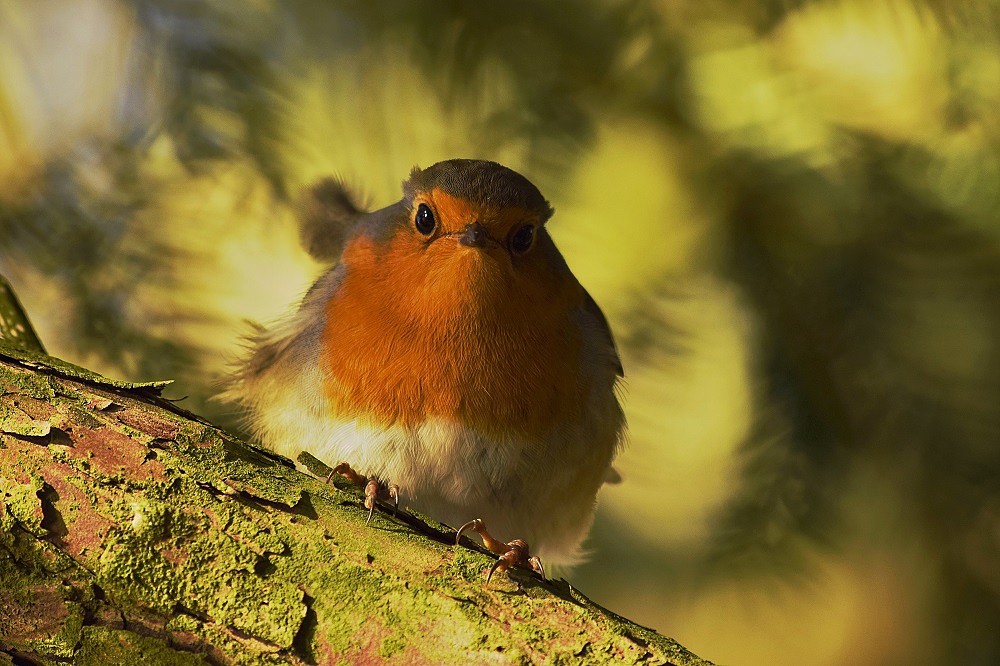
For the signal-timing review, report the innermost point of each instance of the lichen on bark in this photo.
(130, 527)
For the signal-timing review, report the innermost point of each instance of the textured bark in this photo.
(133, 532)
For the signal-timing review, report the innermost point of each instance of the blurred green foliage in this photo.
(847, 180)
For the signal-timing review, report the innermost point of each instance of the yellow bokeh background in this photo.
(627, 216)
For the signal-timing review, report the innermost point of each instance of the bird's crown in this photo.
(480, 182)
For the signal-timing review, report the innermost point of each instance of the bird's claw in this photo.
(371, 494)
(394, 496)
(374, 489)
(512, 554)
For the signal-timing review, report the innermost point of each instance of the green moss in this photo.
(184, 623)
(315, 466)
(15, 422)
(63, 643)
(532, 634)
(101, 646)
(42, 596)
(23, 504)
(171, 556)
(41, 387)
(391, 645)
(50, 364)
(260, 534)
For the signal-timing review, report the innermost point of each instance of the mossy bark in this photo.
(133, 532)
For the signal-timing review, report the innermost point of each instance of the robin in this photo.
(451, 352)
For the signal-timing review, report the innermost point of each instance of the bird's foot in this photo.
(512, 554)
(374, 489)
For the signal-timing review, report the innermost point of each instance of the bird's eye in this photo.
(424, 221)
(522, 239)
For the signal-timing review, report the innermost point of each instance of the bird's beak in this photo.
(475, 235)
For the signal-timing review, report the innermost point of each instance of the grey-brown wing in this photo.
(591, 308)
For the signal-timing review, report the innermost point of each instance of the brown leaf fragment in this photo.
(148, 423)
(24, 428)
(99, 403)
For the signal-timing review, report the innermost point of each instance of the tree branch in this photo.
(130, 528)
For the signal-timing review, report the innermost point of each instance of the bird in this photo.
(449, 359)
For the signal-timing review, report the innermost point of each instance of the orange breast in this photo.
(451, 332)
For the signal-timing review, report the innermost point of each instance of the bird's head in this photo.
(475, 204)
(466, 233)
(473, 222)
